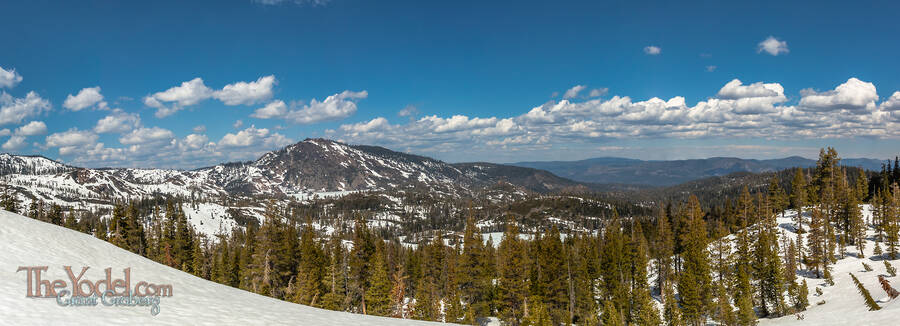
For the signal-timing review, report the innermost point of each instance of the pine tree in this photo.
(815, 240)
(768, 267)
(537, 314)
(642, 309)
(611, 316)
(613, 266)
(723, 311)
(553, 276)
(777, 195)
(798, 196)
(512, 284)
(474, 278)
(360, 258)
(378, 300)
(311, 271)
(802, 300)
(671, 311)
(865, 294)
(663, 250)
(694, 283)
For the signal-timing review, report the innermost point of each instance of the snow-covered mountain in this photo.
(310, 166)
(194, 301)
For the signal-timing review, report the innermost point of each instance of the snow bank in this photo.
(195, 301)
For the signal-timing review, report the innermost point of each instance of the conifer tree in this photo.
(723, 312)
(611, 316)
(512, 283)
(694, 283)
(553, 276)
(777, 196)
(671, 311)
(311, 271)
(798, 196)
(360, 258)
(663, 250)
(474, 277)
(613, 263)
(378, 300)
(865, 294)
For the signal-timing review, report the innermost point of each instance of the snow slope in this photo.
(843, 304)
(28, 242)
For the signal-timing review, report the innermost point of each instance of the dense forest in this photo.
(684, 261)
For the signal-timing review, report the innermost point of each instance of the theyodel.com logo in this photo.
(78, 291)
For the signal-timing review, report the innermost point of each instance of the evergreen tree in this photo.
(694, 283)
(378, 300)
(611, 316)
(798, 196)
(663, 250)
(311, 271)
(474, 278)
(512, 283)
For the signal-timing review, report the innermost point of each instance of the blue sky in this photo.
(172, 84)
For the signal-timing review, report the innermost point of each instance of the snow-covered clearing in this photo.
(195, 301)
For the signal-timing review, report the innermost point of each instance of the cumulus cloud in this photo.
(14, 143)
(254, 137)
(773, 46)
(851, 95)
(597, 92)
(573, 92)
(188, 93)
(273, 110)
(409, 111)
(33, 128)
(85, 98)
(69, 141)
(751, 110)
(334, 107)
(118, 122)
(15, 110)
(892, 103)
(199, 129)
(5, 132)
(652, 50)
(9, 78)
(247, 93)
(142, 136)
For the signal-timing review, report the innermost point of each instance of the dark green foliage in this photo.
(865, 294)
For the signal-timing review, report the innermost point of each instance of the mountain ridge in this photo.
(617, 170)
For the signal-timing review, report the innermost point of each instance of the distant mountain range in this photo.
(307, 167)
(615, 170)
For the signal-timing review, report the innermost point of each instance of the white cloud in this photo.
(851, 95)
(773, 46)
(9, 78)
(85, 98)
(238, 124)
(573, 92)
(275, 109)
(199, 129)
(14, 143)
(652, 50)
(711, 68)
(70, 141)
(15, 110)
(892, 103)
(247, 93)
(118, 122)
(188, 93)
(196, 140)
(334, 107)
(378, 123)
(146, 136)
(735, 89)
(409, 111)
(5, 132)
(597, 92)
(33, 128)
(253, 137)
